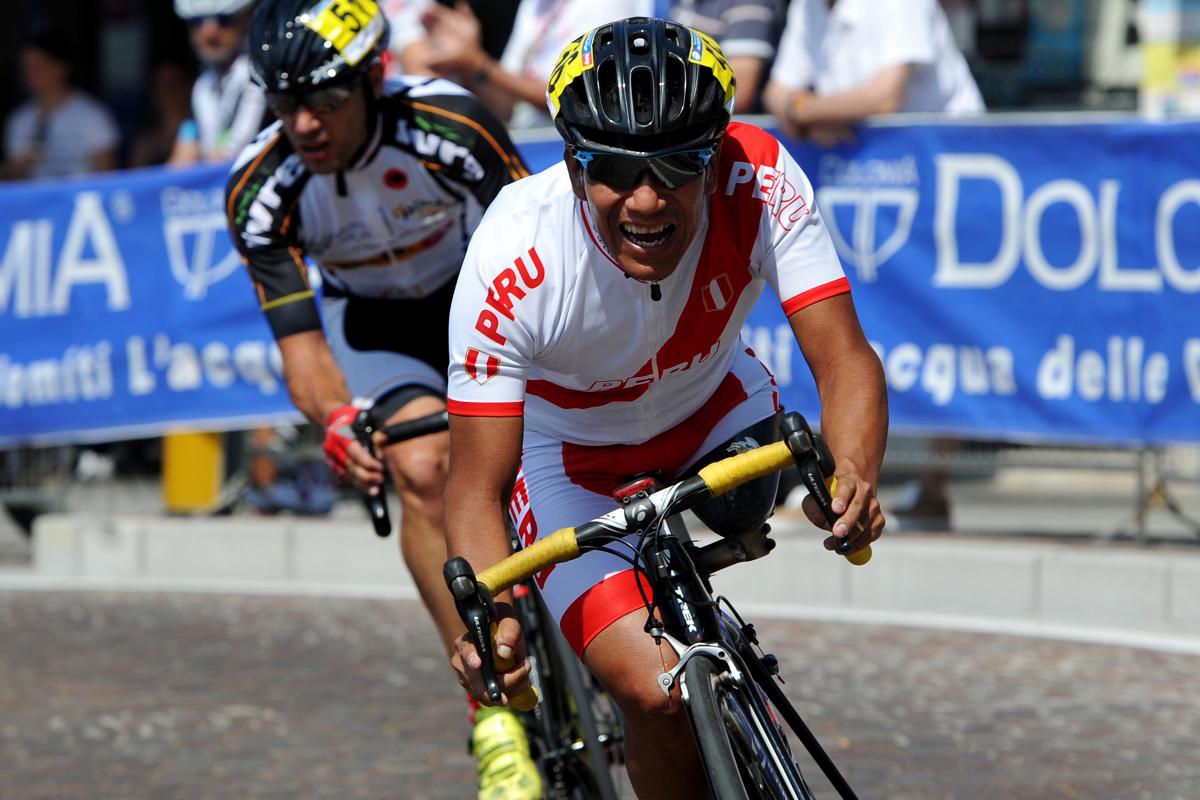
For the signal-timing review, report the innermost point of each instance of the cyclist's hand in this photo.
(510, 644)
(345, 456)
(860, 517)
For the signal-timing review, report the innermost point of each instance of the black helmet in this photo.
(297, 45)
(641, 86)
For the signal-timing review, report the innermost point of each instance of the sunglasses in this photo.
(222, 20)
(623, 173)
(318, 101)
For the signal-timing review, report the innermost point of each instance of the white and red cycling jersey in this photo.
(546, 324)
(612, 382)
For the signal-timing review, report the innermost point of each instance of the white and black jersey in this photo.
(394, 225)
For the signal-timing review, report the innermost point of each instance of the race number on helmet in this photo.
(297, 45)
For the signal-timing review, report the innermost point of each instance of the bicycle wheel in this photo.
(743, 752)
(576, 730)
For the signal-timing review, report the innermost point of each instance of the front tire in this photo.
(741, 762)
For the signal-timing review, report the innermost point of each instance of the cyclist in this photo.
(380, 185)
(594, 334)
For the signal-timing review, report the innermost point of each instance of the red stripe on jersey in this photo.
(723, 271)
(602, 468)
(770, 375)
(564, 397)
(815, 295)
(601, 606)
(466, 409)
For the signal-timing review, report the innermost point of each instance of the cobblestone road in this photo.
(198, 696)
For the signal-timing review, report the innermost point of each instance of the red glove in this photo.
(338, 436)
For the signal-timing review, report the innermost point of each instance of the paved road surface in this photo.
(202, 696)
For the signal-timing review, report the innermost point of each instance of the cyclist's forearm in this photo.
(314, 381)
(854, 417)
(475, 530)
(849, 381)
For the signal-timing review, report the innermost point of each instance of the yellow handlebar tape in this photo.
(858, 557)
(526, 700)
(556, 548)
(728, 473)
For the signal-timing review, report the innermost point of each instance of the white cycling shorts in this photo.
(562, 485)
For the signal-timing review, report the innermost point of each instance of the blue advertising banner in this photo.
(1027, 282)
(1022, 282)
(124, 309)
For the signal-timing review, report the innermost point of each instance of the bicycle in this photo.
(575, 731)
(729, 686)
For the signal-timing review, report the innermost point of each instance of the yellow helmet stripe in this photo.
(572, 62)
(707, 53)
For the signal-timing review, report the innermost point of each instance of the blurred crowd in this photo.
(818, 65)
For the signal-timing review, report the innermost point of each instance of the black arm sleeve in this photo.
(262, 206)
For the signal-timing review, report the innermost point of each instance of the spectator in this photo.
(843, 60)
(169, 109)
(60, 130)
(747, 31)
(514, 87)
(227, 108)
(408, 46)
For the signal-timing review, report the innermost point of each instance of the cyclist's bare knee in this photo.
(418, 466)
(627, 663)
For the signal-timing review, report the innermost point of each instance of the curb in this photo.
(1074, 591)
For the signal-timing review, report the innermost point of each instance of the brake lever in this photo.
(477, 610)
(364, 427)
(815, 462)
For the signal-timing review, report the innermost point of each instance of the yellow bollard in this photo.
(193, 467)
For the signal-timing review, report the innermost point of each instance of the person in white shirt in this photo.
(59, 131)
(227, 108)
(514, 87)
(843, 60)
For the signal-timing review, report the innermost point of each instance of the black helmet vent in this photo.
(606, 74)
(643, 96)
(675, 88)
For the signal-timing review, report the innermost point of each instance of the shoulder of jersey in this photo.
(268, 166)
(415, 86)
(745, 142)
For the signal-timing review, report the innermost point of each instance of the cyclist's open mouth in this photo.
(314, 152)
(648, 237)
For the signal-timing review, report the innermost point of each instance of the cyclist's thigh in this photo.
(585, 595)
(371, 373)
